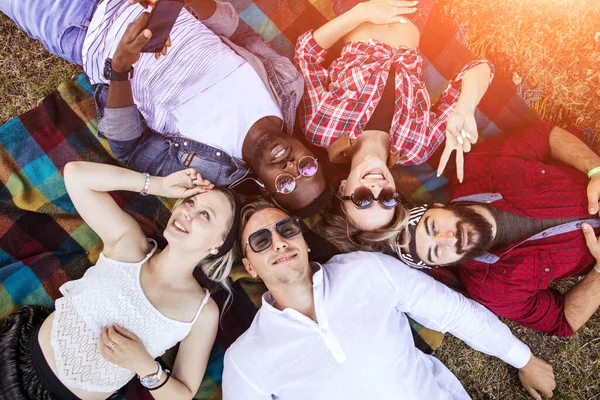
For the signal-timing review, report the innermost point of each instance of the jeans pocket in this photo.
(70, 42)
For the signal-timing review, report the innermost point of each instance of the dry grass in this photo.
(548, 45)
(27, 71)
(547, 41)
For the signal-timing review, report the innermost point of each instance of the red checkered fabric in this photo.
(521, 169)
(341, 100)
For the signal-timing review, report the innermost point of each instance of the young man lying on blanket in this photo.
(371, 109)
(216, 61)
(340, 331)
(525, 216)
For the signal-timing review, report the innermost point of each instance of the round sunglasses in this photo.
(363, 197)
(285, 183)
(262, 239)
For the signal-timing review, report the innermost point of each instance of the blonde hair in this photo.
(339, 228)
(218, 269)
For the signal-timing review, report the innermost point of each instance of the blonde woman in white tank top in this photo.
(137, 301)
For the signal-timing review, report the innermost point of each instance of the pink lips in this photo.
(285, 258)
(464, 239)
(177, 228)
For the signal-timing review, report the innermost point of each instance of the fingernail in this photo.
(146, 33)
(463, 133)
(414, 8)
(459, 140)
(592, 210)
(585, 227)
(402, 21)
(438, 174)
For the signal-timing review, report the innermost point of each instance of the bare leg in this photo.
(394, 35)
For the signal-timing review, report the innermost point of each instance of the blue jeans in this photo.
(60, 25)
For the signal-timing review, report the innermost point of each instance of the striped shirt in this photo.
(196, 61)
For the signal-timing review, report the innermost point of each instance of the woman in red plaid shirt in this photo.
(372, 122)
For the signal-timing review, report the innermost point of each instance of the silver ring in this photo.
(111, 345)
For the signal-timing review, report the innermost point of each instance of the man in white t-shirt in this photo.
(340, 330)
(220, 100)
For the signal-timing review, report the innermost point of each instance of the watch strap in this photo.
(157, 375)
(114, 75)
(168, 374)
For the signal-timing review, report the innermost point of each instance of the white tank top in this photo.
(108, 293)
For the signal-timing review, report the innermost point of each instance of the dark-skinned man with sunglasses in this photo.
(340, 331)
(217, 98)
(525, 216)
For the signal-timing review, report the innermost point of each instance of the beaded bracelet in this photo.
(144, 191)
(592, 172)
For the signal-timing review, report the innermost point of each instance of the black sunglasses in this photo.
(363, 197)
(262, 238)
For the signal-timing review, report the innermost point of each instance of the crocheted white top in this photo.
(108, 293)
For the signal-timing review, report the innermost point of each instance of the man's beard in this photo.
(480, 241)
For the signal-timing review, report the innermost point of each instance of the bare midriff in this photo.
(46, 346)
(395, 34)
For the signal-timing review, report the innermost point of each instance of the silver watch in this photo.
(151, 380)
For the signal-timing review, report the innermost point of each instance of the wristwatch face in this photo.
(149, 381)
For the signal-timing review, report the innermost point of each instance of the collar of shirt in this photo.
(494, 256)
(321, 326)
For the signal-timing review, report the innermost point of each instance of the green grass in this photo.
(28, 73)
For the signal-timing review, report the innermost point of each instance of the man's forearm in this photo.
(337, 28)
(474, 84)
(568, 149)
(119, 95)
(582, 301)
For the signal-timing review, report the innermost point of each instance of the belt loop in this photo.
(189, 158)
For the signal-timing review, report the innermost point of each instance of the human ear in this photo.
(249, 268)
(341, 188)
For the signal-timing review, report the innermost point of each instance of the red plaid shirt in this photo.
(531, 184)
(339, 101)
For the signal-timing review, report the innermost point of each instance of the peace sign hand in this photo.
(461, 133)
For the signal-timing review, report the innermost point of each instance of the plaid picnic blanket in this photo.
(43, 243)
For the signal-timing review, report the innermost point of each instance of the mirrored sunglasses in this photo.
(285, 183)
(363, 197)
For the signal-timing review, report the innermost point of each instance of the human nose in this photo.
(446, 238)
(278, 242)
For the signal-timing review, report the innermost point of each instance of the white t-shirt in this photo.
(196, 61)
(362, 346)
(222, 116)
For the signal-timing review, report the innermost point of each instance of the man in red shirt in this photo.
(515, 226)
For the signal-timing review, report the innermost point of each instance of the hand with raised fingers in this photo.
(383, 12)
(183, 184)
(451, 145)
(125, 349)
(130, 47)
(593, 194)
(462, 125)
(537, 377)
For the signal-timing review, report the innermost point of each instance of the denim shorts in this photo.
(60, 25)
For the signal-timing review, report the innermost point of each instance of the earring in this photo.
(214, 251)
(308, 248)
